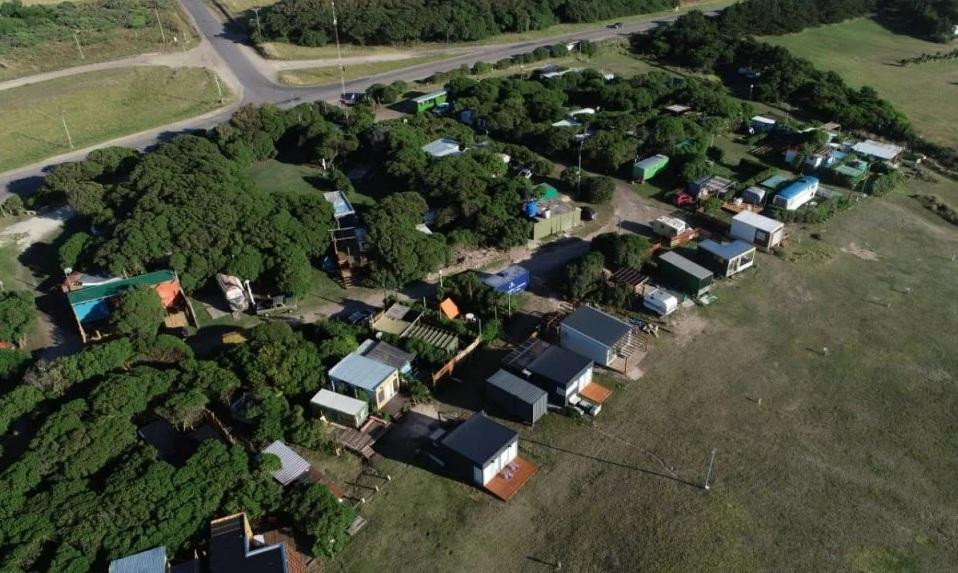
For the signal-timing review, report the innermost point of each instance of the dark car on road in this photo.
(616, 26)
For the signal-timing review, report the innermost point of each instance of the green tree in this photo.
(622, 250)
(584, 276)
(138, 314)
(17, 315)
(322, 518)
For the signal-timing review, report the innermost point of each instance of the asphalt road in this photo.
(258, 89)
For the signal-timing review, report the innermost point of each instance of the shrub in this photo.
(597, 189)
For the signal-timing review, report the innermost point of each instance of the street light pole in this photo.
(708, 472)
(63, 118)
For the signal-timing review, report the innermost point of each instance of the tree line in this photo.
(84, 489)
(933, 20)
(310, 22)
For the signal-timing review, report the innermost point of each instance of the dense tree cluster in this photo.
(85, 489)
(189, 205)
(310, 22)
(17, 315)
(630, 119)
(721, 44)
(930, 19)
(585, 277)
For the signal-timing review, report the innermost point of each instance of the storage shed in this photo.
(757, 229)
(292, 465)
(646, 169)
(594, 334)
(339, 408)
(685, 275)
(754, 196)
(726, 259)
(519, 398)
(477, 449)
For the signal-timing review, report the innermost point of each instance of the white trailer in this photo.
(234, 292)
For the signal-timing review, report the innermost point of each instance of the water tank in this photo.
(530, 209)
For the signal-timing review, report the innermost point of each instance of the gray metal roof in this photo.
(361, 372)
(726, 251)
(479, 439)
(293, 465)
(517, 387)
(442, 147)
(385, 353)
(149, 561)
(597, 325)
(760, 222)
(560, 365)
(692, 268)
(338, 402)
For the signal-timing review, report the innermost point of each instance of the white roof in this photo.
(293, 465)
(338, 402)
(429, 96)
(878, 149)
(442, 147)
(763, 119)
(673, 222)
(566, 123)
(759, 222)
(582, 111)
(663, 296)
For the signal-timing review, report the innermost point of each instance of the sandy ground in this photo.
(35, 229)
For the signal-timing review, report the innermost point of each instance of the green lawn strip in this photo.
(330, 74)
(97, 106)
(866, 54)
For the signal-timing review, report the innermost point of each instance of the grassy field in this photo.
(330, 74)
(837, 460)
(97, 106)
(98, 46)
(285, 51)
(864, 53)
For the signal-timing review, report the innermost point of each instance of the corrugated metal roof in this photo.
(517, 387)
(759, 222)
(597, 325)
(385, 353)
(726, 251)
(877, 149)
(442, 147)
(357, 370)
(340, 203)
(149, 561)
(680, 262)
(293, 464)
(115, 288)
(339, 402)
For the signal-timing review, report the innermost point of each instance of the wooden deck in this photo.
(595, 393)
(507, 483)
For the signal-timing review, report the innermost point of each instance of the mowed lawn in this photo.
(865, 53)
(837, 460)
(98, 106)
(98, 46)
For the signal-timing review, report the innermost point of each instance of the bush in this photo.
(597, 189)
(481, 68)
(504, 64)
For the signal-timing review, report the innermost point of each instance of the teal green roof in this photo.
(111, 289)
(548, 191)
(854, 169)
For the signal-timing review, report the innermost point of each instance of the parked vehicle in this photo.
(351, 98)
(588, 214)
(660, 302)
(682, 199)
(616, 26)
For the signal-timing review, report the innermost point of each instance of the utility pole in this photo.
(259, 25)
(708, 472)
(63, 118)
(79, 47)
(339, 51)
(219, 90)
(578, 180)
(156, 11)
